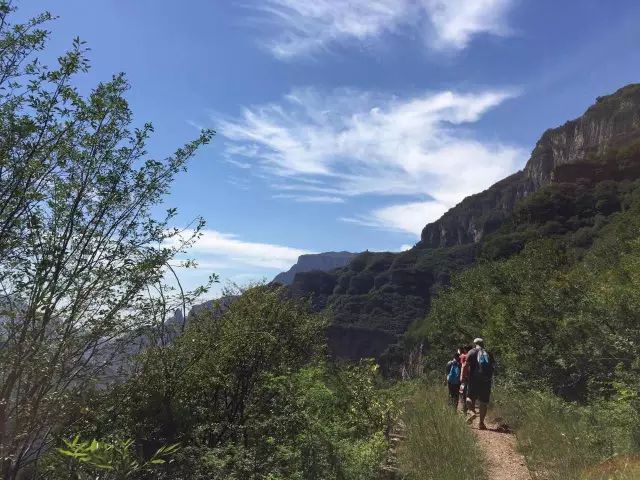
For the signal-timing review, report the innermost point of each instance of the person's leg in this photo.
(471, 397)
(465, 391)
(453, 394)
(483, 414)
(484, 397)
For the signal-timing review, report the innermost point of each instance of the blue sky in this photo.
(345, 125)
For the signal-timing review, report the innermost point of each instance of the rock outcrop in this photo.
(315, 261)
(612, 123)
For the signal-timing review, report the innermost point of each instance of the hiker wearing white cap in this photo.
(481, 367)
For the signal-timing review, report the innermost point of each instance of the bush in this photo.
(249, 395)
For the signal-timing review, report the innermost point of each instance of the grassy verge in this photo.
(564, 441)
(439, 446)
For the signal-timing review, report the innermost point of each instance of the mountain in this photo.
(315, 261)
(578, 175)
(562, 154)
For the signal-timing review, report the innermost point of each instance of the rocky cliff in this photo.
(612, 123)
(572, 182)
(316, 261)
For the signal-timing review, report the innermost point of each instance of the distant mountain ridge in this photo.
(315, 261)
(373, 300)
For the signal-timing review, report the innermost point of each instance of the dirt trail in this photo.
(499, 447)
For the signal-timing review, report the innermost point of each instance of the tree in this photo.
(247, 394)
(80, 248)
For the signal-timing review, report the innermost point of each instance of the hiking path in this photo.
(504, 462)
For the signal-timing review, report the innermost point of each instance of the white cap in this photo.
(478, 340)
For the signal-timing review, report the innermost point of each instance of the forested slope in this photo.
(578, 176)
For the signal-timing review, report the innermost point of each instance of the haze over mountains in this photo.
(375, 298)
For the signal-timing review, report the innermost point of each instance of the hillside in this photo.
(579, 173)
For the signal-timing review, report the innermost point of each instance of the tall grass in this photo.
(565, 441)
(438, 444)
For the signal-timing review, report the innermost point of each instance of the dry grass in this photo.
(563, 441)
(439, 445)
(623, 467)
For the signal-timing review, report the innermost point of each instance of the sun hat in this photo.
(478, 340)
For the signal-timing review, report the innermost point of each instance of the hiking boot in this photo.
(482, 426)
(471, 417)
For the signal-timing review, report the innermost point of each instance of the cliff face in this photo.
(373, 300)
(613, 122)
(477, 215)
(317, 261)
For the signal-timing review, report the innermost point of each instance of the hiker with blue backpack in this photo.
(481, 368)
(453, 371)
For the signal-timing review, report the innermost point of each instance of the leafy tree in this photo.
(247, 394)
(79, 246)
(554, 320)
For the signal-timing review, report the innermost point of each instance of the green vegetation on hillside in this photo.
(99, 380)
(562, 316)
(247, 395)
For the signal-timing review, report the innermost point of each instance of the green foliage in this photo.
(80, 244)
(439, 445)
(566, 441)
(553, 319)
(561, 319)
(108, 461)
(248, 395)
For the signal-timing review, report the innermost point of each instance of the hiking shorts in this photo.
(479, 389)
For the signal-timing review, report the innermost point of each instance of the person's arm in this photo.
(446, 373)
(464, 370)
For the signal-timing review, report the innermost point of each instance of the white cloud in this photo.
(348, 143)
(406, 217)
(215, 249)
(310, 198)
(309, 26)
(456, 22)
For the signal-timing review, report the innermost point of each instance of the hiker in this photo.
(481, 367)
(453, 372)
(464, 374)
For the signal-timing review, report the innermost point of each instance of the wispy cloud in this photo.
(405, 217)
(350, 143)
(216, 249)
(309, 26)
(310, 198)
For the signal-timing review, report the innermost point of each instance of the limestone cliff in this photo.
(612, 123)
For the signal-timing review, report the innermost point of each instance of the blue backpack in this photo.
(484, 363)
(454, 374)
